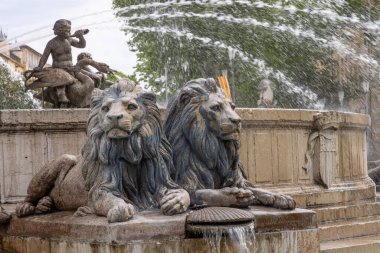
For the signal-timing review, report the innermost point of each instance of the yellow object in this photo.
(223, 83)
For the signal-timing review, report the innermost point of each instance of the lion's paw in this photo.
(44, 205)
(235, 196)
(275, 200)
(4, 217)
(25, 209)
(83, 211)
(120, 213)
(284, 202)
(175, 201)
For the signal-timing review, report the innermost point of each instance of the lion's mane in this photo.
(201, 159)
(136, 168)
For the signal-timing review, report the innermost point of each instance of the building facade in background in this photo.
(20, 58)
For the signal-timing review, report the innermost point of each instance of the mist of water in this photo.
(307, 94)
(288, 24)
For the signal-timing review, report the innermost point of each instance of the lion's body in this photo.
(202, 159)
(124, 165)
(203, 129)
(58, 185)
(69, 192)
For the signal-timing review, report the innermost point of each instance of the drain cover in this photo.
(219, 215)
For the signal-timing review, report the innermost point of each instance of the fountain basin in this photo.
(274, 144)
(149, 231)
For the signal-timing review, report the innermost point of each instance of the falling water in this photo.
(233, 238)
(316, 24)
(306, 93)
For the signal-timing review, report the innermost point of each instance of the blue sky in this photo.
(29, 20)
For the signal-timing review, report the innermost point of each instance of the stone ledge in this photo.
(342, 193)
(272, 118)
(148, 225)
(250, 117)
(56, 119)
(271, 219)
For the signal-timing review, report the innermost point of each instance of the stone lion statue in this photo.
(124, 166)
(203, 129)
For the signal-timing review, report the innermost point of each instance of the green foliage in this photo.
(118, 74)
(303, 46)
(12, 95)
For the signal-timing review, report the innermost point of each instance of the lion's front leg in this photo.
(266, 198)
(116, 209)
(227, 196)
(174, 201)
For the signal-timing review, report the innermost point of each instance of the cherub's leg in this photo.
(42, 183)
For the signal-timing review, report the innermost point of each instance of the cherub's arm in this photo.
(81, 43)
(45, 56)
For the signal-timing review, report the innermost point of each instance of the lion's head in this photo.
(212, 108)
(203, 129)
(125, 152)
(120, 114)
(219, 116)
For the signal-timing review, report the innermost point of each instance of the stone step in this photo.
(336, 213)
(366, 244)
(364, 226)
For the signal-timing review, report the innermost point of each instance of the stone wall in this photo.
(274, 144)
(30, 138)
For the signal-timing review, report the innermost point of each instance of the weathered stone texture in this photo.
(29, 139)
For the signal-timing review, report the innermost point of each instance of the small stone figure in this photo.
(203, 129)
(266, 89)
(67, 85)
(99, 78)
(124, 166)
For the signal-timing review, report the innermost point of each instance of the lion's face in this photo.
(220, 117)
(119, 117)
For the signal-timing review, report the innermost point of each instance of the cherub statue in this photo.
(67, 85)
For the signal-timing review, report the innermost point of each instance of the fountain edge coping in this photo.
(148, 225)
